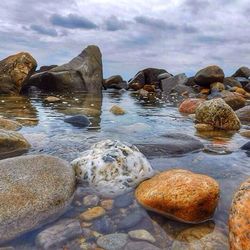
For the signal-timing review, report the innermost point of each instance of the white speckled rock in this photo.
(112, 167)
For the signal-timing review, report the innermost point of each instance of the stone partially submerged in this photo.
(33, 191)
(112, 167)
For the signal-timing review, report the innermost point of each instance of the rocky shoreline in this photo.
(108, 191)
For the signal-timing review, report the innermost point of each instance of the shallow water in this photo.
(144, 122)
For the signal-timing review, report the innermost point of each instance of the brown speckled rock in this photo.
(189, 105)
(239, 218)
(218, 114)
(180, 195)
(33, 190)
(117, 110)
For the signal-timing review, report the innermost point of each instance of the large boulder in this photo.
(33, 191)
(146, 76)
(12, 144)
(244, 114)
(112, 167)
(83, 73)
(217, 114)
(242, 72)
(189, 105)
(209, 75)
(180, 195)
(15, 70)
(239, 218)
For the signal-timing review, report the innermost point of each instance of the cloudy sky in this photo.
(177, 35)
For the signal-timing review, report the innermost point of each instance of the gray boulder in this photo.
(34, 190)
(82, 73)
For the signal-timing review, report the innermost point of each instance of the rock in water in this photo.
(239, 218)
(83, 72)
(113, 241)
(9, 124)
(33, 190)
(218, 114)
(15, 70)
(112, 167)
(180, 194)
(78, 121)
(244, 114)
(189, 105)
(209, 75)
(117, 110)
(12, 144)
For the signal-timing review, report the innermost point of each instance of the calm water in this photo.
(144, 122)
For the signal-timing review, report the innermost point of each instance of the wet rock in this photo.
(116, 110)
(200, 237)
(239, 218)
(15, 70)
(112, 167)
(180, 195)
(115, 82)
(91, 200)
(114, 241)
(131, 219)
(80, 121)
(83, 73)
(104, 225)
(12, 144)
(163, 76)
(246, 146)
(171, 144)
(107, 204)
(55, 236)
(33, 191)
(242, 72)
(92, 213)
(141, 234)
(52, 99)
(245, 133)
(9, 124)
(218, 114)
(244, 114)
(235, 101)
(243, 80)
(231, 82)
(209, 75)
(189, 105)
(140, 245)
(124, 200)
(203, 127)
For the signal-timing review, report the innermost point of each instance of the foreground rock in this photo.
(209, 75)
(83, 72)
(200, 237)
(12, 144)
(33, 190)
(171, 144)
(9, 124)
(239, 218)
(189, 105)
(180, 194)
(15, 70)
(55, 236)
(80, 121)
(244, 114)
(112, 167)
(218, 114)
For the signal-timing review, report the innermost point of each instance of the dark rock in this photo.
(242, 72)
(58, 234)
(80, 121)
(167, 85)
(235, 101)
(124, 200)
(244, 114)
(104, 225)
(246, 146)
(115, 82)
(163, 76)
(243, 81)
(15, 70)
(83, 72)
(190, 82)
(209, 75)
(140, 245)
(46, 68)
(172, 144)
(231, 82)
(247, 87)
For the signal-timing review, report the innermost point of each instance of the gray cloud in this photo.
(113, 24)
(43, 30)
(72, 21)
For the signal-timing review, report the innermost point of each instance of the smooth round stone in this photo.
(91, 200)
(117, 110)
(189, 105)
(92, 213)
(244, 114)
(246, 146)
(52, 99)
(114, 241)
(9, 124)
(235, 101)
(239, 218)
(141, 234)
(78, 121)
(12, 144)
(180, 195)
(141, 245)
(33, 190)
(245, 133)
(104, 225)
(107, 204)
(112, 167)
(200, 237)
(217, 86)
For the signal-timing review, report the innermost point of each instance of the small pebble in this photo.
(92, 213)
(107, 204)
(141, 234)
(91, 200)
(116, 110)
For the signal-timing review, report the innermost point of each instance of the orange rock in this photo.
(180, 194)
(205, 91)
(92, 213)
(240, 91)
(189, 105)
(136, 86)
(149, 88)
(239, 218)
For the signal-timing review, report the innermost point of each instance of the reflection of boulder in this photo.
(15, 71)
(83, 72)
(20, 109)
